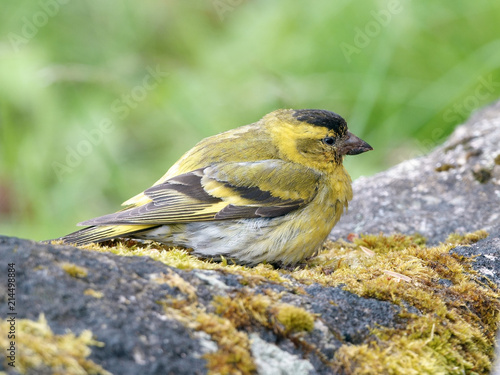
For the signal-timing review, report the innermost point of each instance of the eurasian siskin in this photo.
(269, 191)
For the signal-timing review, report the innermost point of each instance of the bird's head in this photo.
(313, 137)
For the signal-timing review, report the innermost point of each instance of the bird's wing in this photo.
(267, 188)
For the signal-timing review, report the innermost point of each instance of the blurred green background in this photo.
(98, 99)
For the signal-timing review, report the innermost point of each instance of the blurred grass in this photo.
(417, 73)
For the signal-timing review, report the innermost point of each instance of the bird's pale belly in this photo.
(286, 239)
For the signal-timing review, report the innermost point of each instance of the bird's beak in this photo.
(353, 145)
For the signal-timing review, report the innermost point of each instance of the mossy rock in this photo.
(388, 304)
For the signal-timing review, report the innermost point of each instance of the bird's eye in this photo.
(330, 141)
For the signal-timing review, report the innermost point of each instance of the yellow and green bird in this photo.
(270, 191)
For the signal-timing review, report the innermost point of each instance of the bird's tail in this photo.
(102, 233)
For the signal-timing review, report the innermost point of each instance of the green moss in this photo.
(182, 259)
(247, 310)
(38, 349)
(497, 159)
(232, 317)
(244, 309)
(381, 244)
(93, 293)
(482, 175)
(425, 346)
(444, 167)
(233, 355)
(466, 239)
(73, 270)
(295, 319)
(175, 281)
(455, 332)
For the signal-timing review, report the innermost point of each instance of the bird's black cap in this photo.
(320, 117)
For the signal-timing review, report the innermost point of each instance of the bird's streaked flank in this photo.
(269, 191)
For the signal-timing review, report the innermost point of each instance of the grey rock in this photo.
(486, 255)
(138, 337)
(455, 188)
(271, 360)
(496, 365)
